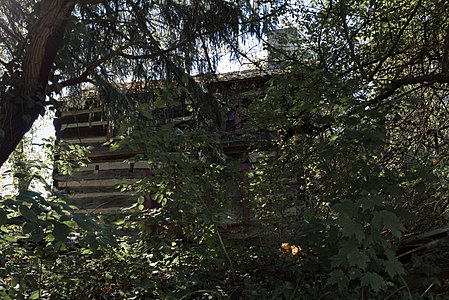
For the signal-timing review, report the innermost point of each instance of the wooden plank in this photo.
(83, 124)
(117, 164)
(79, 118)
(104, 149)
(93, 145)
(86, 141)
(90, 189)
(104, 202)
(82, 132)
(80, 111)
(112, 155)
(103, 174)
(108, 210)
(102, 182)
(99, 195)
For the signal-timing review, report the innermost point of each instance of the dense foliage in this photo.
(353, 162)
(49, 45)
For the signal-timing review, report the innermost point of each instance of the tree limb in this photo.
(394, 85)
(396, 41)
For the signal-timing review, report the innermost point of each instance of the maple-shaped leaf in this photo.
(351, 228)
(392, 265)
(339, 278)
(357, 258)
(389, 220)
(373, 280)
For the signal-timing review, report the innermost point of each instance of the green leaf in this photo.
(92, 241)
(9, 238)
(3, 217)
(388, 219)
(61, 231)
(347, 207)
(185, 79)
(84, 222)
(28, 228)
(338, 260)
(369, 203)
(30, 196)
(333, 138)
(357, 258)
(28, 214)
(339, 278)
(355, 274)
(4, 296)
(393, 222)
(393, 266)
(141, 199)
(351, 228)
(37, 234)
(373, 280)
(34, 295)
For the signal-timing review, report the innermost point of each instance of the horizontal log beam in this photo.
(102, 174)
(80, 112)
(79, 118)
(102, 182)
(86, 141)
(90, 189)
(82, 132)
(117, 164)
(106, 156)
(103, 202)
(101, 195)
(83, 124)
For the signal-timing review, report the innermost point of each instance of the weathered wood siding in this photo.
(95, 186)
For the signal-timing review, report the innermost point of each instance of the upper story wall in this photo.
(94, 186)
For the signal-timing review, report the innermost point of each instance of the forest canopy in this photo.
(49, 45)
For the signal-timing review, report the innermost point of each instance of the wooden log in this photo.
(80, 111)
(102, 151)
(93, 145)
(101, 182)
(105, 201)
(100, 195)
(113, 155)
(83, 124)
(82, 132)
(90, 189)
(85, 141)
(115, 164)
(80, 118)
(102, 148)
(103, 174)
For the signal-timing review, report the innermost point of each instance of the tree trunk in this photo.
(24, 100)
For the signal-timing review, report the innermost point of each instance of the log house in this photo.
(94, 187)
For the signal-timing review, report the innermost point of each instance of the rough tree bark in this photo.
(24, 101)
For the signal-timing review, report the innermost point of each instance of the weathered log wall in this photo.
(94, 186)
